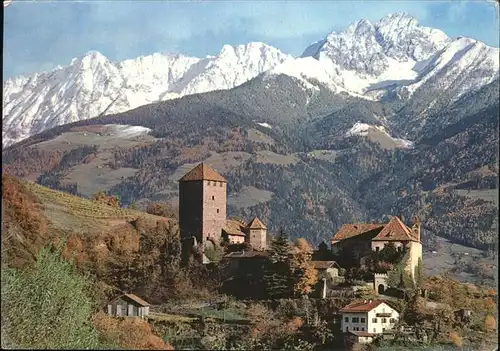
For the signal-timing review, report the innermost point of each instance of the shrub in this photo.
(48, 306)
(456, 339)
(490, 324)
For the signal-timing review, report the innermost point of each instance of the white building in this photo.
(365, 319)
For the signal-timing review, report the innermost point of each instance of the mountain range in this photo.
(392, 58)
(345, 133)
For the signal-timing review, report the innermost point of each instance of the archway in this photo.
(381, 288)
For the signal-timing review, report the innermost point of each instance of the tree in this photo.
(162, 209)
(109, 200)
(277, 277)
(490, 323)
(419, 273)
(49, 305)
(456, 339)
(304, 274)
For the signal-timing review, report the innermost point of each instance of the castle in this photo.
(203, 223)
(360, 239)
(202, 213)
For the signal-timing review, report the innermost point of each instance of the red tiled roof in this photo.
(256, 224)
(233, 227)
(137, 299)
(323, 264)
(202, 172)
(351, 230)
(395, 230)
(361, 333)
(362, 306)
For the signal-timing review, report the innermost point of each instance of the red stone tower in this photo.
(202, 204)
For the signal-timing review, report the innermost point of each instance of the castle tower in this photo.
(257, 234)
(202, 205)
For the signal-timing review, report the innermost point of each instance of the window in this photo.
(383, 330)
(208, 183)
(362, 329)
(384, 320)
(363, 320)
(383, 310)
(217, 210)
(392, 320)
(220, 184)
(346, 329)
(374, 330)
(377, 248)
(355, 319)
(346, 319)
(374, 320)
(213, 197)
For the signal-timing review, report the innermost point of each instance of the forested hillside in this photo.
(299, 171)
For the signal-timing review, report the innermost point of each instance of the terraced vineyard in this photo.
(81, 207)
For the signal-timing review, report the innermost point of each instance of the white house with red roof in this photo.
(365, 319)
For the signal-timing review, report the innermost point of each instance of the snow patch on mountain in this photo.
(363, 129)
(265, 125)
(126, 131)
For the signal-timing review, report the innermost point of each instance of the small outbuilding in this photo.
(128, 305)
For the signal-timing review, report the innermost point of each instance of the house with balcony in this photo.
(362, 321)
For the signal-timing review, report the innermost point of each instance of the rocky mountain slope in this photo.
(394, 58)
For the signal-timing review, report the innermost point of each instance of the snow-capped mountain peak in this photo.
(92, 85)
(394, 56)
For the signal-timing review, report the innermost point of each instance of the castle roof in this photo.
(248, 254)
(395, 230)
(324, 264)
(256, 224)
(234, 227)
(351, 230)
(202, 172)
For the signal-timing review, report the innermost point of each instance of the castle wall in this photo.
(415, 255)
(381, 244)
(257, 238)
(190, 209)
(236, 239)
(214, 209)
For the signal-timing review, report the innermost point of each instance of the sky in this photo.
(40, 35)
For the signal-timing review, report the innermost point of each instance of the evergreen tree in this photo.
(277, 277)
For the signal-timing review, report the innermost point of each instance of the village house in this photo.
(128, 305)
(359, 239)
(366, 319)
(202, 214)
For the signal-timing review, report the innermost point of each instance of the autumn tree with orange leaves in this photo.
(303, 272)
